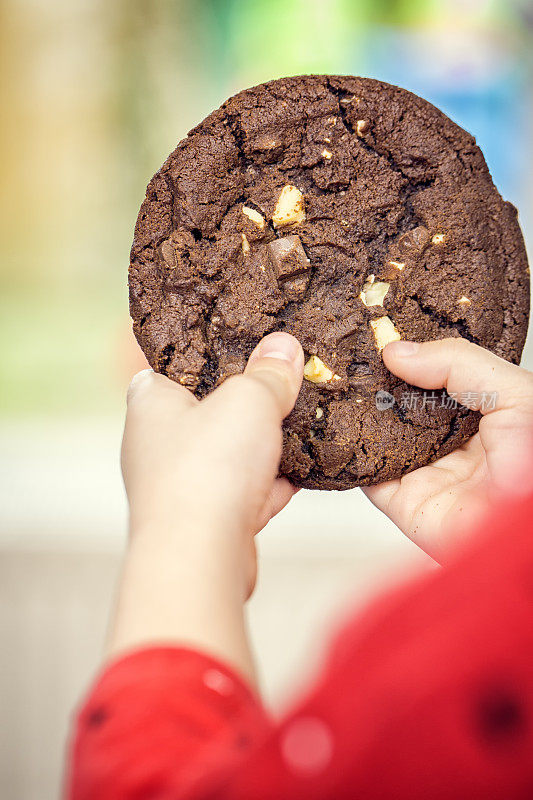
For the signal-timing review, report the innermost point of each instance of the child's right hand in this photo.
(436, 504)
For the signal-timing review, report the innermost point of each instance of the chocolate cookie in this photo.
(349, 213)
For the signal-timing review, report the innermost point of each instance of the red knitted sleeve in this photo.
(429, 694)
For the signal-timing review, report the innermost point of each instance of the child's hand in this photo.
(209, 468)
(436, 504)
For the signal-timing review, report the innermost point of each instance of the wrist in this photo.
(183, 588)
(192, 546)
(178, 522)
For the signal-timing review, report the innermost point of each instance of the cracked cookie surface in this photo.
(347, 212)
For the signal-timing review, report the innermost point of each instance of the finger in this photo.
(277, 363)
(268, 389)
(460, 367)
(472, 374)
(400, 497)
(149, 389)
(381, 494)
(281, 493)
(436, 504)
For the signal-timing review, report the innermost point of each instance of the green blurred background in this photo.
(95, 94)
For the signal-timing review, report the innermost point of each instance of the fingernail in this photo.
(279, 345)
(403, 349)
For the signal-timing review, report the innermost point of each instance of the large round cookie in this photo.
(347, 212)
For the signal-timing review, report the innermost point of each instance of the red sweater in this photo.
(429, 694)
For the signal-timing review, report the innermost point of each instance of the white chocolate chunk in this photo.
(289, 208)
(319, 413)
(384, 331)
(361, 127)
(245, 244)
(397, 265)
(254, 216)
(326, 154)
(439, 238)
(374, 292)
(464, 300)
(316, 371)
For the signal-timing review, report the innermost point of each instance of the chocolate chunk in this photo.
(415, 241)
(287, 257)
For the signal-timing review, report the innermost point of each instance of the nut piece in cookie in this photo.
(316, 371)
(374, 292)
(414, 242)
(245, 244)
(287, 257)
(290, 208)
(168, 253)
(254, 216)
(384, 331)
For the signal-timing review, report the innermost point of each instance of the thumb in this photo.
(277, 364)
(478, 378)
(252, 407)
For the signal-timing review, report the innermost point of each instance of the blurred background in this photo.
(94, 96)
